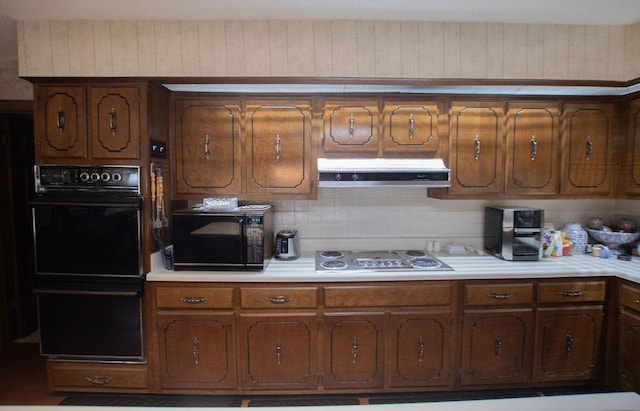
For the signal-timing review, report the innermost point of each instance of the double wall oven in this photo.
(87, 230)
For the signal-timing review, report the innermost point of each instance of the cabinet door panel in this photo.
(476, 139)
(198, 351)
(279, 352)
(419, 349)
(633, 180)
(497, 346)
(60, 122)
(532, 149)
(354, 352)
(568, 343)
(114, 117)
(278, 140)
(351, 126)
(588, 148)
(629, 347)
(207, 147)
(411, 127)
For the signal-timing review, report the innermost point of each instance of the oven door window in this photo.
(211, 240)
(87, 239)
(91, 325)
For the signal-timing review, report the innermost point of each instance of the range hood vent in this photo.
(374, 172)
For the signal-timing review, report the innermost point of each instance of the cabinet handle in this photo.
(420, 349)
(476, 148)
(278, 299)
(194, 300)
(572, 293)
(637, 302)
(279, 353)
(278, 147)
(113, 121)
(497, 347)
(534, 147)
(196, 350)
(352, 125)
(569, 345)
(98, 379)
(500, 296)
(411, 126)
(589, 148)
(207, 147)
(354, 350)
(60, 120)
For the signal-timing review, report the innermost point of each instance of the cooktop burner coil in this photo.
(333, 265)
(332, 254)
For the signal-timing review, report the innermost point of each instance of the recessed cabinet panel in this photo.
(199, 351)
(115, 122)
(354, 351)
(411, 127)
(351, 127)
(207, 146)
(60, 123)
(532, 149)
(629, 347)
(278, 144)
(476, 141)
(568, 343)
(419, 350)
(633, 180)
(587, 149)
(497, 346)
(278, 351)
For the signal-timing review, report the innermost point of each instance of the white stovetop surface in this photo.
(465, 267)
(627, 401)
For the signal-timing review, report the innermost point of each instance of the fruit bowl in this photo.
(613, 239)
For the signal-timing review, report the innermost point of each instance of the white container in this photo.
(578, 235)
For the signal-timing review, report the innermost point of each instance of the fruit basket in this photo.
(612, 239)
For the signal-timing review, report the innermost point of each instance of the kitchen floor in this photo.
(23, 377)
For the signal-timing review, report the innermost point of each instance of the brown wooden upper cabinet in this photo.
(107, 129)
(633, 152)
(351, 126)
(476, 147)
(410, 127)
(588, 148)
(207, 146)
(532, 149)
(278, 143)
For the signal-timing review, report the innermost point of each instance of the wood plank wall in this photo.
(328, 49)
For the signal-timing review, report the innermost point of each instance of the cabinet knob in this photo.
(354, 350)
(420, 349)
(278, 299)
(476, 147)
(412, 128)
(589, 148)
(207, 147)
(500, 296)
(278, 149)
(572, 293)
(534, 148)
(352, 125)
(113, 121)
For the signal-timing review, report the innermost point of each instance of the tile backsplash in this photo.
(406, 218)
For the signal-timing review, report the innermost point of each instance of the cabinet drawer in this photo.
(388, 296)
(194, 297)
(573, 291)
(498, 294)
(279, 297)
(630, 297)
(114, 377)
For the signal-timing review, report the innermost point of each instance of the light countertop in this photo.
(626, 401)
(465, 267)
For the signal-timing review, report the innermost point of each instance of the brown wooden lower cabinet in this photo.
(354, 350)
(496, 346)
(419, 349)
(198, 351)
(379, 336)
(278, 351)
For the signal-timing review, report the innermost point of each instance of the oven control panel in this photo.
(113, 179)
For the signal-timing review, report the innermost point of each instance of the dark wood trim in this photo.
(16, 106)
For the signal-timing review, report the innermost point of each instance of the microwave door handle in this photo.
(526, 230)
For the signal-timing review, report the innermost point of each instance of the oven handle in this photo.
(132, 293)
(78, 203)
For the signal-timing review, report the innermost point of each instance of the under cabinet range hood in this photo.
(374, 172)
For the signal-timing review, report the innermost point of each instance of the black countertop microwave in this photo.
(239, 239)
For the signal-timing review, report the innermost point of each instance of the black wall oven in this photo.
(87, 231)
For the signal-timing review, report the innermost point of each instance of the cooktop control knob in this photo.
(356, 177)
(105, 176)
(84, 176)
(338, 177)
